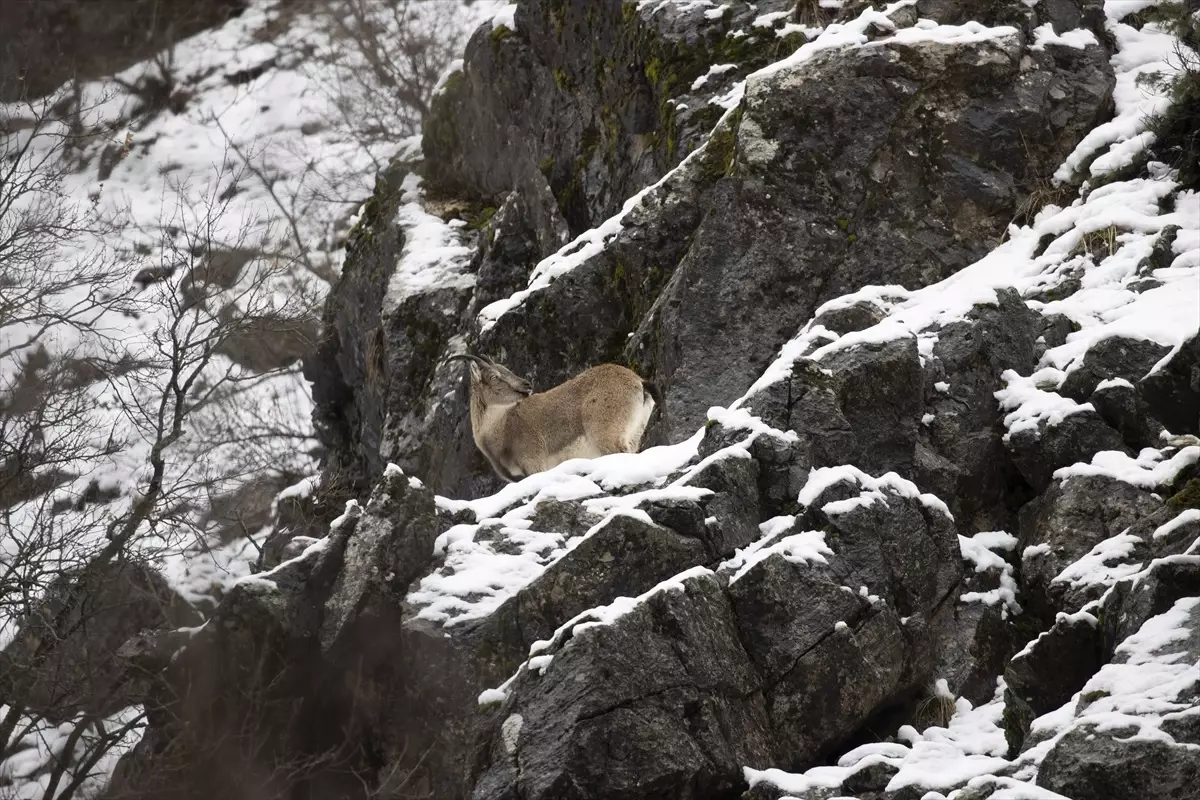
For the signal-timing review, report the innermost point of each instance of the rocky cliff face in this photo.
(923, 516)
(45, 44)
(908, 162)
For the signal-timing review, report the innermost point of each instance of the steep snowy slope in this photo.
(236, 183)
(927, 313)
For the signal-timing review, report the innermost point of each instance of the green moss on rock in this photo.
(1187, 497)
(500, 33)
(721, 149)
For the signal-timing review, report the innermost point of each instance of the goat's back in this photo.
(596, 405)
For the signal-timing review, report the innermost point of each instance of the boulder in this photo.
(1056, 665)
(662, 701)
(244, 708)
(1115, 357)
(1105, 753)
(1038, 451)
(1122, 407)
(1064, 524)
(1172, 391)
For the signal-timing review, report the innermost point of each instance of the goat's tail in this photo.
(651, 388)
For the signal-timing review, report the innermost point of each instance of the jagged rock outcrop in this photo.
(1099, 759)
(713, 270)
(898, 540)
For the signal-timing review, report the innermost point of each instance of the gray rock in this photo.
(1071, 518)
(896, 163)
(512, 245)
(1055, 330)
(62, 661)
(871, 778)
(625, 557)
(1131, 602)
(584, 94)
(1038, 452)
(820, 685)
(733, 508)
(1179, 539)
(50, 43)
(1057, 665)
(1173, 392)
(707, 297)
(392, 545)
(241, 697)
(977, 638)
(1115, 357)
(847, 319)
(1125, 411)
(1089, 764)
(822, 244)
(663, 702)
(1095, 762)
(846, 412)
(961, 456)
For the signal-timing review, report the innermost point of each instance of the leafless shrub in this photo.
(105, 383)
(385, 61)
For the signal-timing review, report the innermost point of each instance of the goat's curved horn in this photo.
(465, 357)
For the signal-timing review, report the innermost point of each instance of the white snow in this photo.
(1113, 383)
(434, 255)
(980, 551)
(937, 758)
(1078, 38)
(1029, 406)
(229, 166)
(1149, 677)
(1147, 471)
(1140, 53)
(1184, 517)
(742, 419)
(1034, 550)
(806, 547)
(1096, 567)
(768, 20)
(39, 742)
(872, 489)
(300, 490)
(486, 562)
(490, 696)
(815, 778)
(505, 16)
(714, 70)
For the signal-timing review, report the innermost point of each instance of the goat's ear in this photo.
(476, 374)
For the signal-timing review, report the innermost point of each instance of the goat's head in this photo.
(492, 383)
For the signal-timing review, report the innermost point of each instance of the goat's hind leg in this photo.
(637, 426)
(612, 441)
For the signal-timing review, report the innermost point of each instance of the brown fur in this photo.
(600, 411)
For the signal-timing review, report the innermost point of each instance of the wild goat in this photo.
(602, 410)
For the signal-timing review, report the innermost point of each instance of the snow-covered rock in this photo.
(897, 543)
